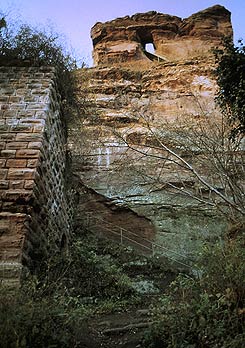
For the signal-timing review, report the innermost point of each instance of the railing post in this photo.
(88, 219)
(153, 249)
(121, 235)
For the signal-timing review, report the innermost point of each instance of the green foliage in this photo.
(3, 23)
(231, 81)
(207, 312)
(28, 320)
(37, 46)
(87, 272)
(30, 46)
(53, 306)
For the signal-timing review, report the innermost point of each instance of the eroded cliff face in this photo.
(127, 107)
(124, 39)
(133, 110)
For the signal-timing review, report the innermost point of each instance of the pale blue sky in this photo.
(75, 18)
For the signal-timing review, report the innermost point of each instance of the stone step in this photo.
(129, 327)
(125, 330)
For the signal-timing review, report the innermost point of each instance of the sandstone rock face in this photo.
(121, 102)
(125, 39)
(135, 108)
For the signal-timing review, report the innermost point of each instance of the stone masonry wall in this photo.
(34, 204)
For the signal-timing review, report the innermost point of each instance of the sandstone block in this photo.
(12, 207)
(18, 194)
(32, 163)
(10, 271)
(16, 145)
(15, 99)
(10, 252)
(16, 184)
(38, 129)
(7, 136)
(35, 145)
(7, 90)
(21, 90)
(11, 121)
(16, 163)
(39, 75)
(25, 113)
(29, 184)
(8, 153)
(3, 173)
(37, 106)
(4, 128)
(28, 137)
(39, 92)
(4, 225)
(4, 184)
(41, 114)
(4, 99)
(27, 153)
(2, 162)
(21, 128)
(32, 121)
(18, 106)
(10, 113)
(19, 174)
(32, 99)
(34, 85)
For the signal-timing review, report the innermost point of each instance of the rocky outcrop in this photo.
(121, 102)
(124, 39)
(134, 111)
(101, 215)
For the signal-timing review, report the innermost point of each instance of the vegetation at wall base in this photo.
(53, 306)
(204, 312)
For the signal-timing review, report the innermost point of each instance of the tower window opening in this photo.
(149, 47)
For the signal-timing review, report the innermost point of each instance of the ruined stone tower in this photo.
(124, 39)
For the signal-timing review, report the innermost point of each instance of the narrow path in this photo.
(125, 330)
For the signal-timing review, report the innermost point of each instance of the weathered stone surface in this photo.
(2, 163)
(8, 153)
(12, 235)
(124, 39)
(23, 173)
(3, 174)
(27, 153)
(16, 163)
(119, 223)
(16, 145)
(16, 184)
(32, 141)
(123, 100)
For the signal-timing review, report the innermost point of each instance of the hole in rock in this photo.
(149, 47)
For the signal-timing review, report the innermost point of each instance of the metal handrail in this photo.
(123, 237)
(142, 238)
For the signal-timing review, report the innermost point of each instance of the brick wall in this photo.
(34, 205)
